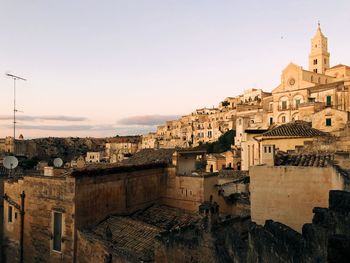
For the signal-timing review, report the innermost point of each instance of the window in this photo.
(269, 149)
(315, 70)
(271, 120)
(297, 103)
(284, 105)
(57, 231)
(328, 100)
(9, 214)
(265, 149)
(325, 61)
(283, 119)
(328, 122)
(315, 61)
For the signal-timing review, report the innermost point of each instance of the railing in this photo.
(280, 108)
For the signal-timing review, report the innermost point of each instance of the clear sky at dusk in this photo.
(98, 68)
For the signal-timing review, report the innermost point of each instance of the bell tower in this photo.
(319, 55)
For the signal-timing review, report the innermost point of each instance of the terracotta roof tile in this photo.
(134, 236)
(294, 129)
(314, 160)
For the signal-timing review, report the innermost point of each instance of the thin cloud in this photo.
(147, 120)
(111, 129)
(44, 118)
(66, 127)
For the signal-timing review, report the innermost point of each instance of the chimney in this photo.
(48, 171)
(268, 155)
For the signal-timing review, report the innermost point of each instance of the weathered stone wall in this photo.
(288, 194)
(121, 193)
(220, 242)
(2, 180)
(275, 242)
(90, 250)
(43, 196)
(186, 192)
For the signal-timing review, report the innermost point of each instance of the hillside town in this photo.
(262, 177)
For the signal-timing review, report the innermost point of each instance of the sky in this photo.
(107, 67)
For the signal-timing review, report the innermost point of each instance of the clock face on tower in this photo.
(291, 81)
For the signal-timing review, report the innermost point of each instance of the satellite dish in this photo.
(80, 164)
(10, 162)
(58, 162)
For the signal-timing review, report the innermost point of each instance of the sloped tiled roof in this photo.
(165, 217)
(294, 129)
(129, 237)
(134, 236)
(313, 159)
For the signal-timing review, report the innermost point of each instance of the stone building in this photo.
(149, 141)
(215, 162)
(330, 120)
(308, 95)
(119, 148)
(7, 144)
(288, 137)
(93, 157)
(57, 206)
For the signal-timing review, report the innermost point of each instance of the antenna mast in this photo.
(15, 78)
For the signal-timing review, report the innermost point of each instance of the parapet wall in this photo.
(288, 194)
(116, 193)
(326, 239)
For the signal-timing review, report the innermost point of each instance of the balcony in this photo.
(283, 108)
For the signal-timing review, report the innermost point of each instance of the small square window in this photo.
(328, 122)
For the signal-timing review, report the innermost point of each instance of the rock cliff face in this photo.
(65, 148)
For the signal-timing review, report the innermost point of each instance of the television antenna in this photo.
(15, 78)
(10, 163)
(58, 162)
